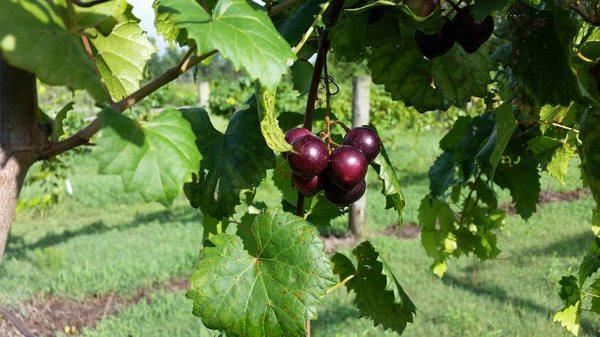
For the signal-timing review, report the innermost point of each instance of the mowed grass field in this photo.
(102, 242)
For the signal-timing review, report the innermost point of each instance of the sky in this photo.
(142, 9)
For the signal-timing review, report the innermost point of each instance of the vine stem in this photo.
(340, 284)
(324, 45)
(584, 58)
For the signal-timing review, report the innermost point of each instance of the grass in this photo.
(102, 240)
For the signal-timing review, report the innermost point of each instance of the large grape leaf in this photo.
(269, 290)
(559, 164)
(33, 36)
(241, 31)
(232, 161)
(379, 295)
(153, 158)
(299, 21)
(121, 58)
(570, 293)
(391, 185)
(540, 53)
(437, 221)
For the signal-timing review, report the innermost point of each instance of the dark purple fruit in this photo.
(347, 167)
(364, 139)
(292, 134)
(470, 33)
(343, 197)
(307, 187)
(437, 44)
(310, 156)
(422, 8)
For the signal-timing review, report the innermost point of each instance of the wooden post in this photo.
(204, 94)
(360, 116)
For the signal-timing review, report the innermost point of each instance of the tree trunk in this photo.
(21, 140)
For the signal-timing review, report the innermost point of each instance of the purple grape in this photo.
(343, 197)
(308, 187)
(347, 167)
(422, 8)
(437, 44)
(364, 139)
(292, 134)
(310, 156)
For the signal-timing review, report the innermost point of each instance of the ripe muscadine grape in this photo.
(292, 134)
(364, 139)
(307, 187)
(347, 167)
(309, 158)
(343, 197)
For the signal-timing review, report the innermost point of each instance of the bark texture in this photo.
(21, 140)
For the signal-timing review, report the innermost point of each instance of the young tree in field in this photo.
(533, 65)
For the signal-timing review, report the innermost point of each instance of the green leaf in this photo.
(299, 21)
(591, 261)
(595, 296)
(270, 290)
(483, 8)
(438, 241)
(429, 85)
(568, 317)
(153, 158)
(232, 161)
(302, 76)
(241, 31)
(321, 211)
(441, 174)
(34, 37)
(590, 138)
(391, 185)
(540, 54)
(523, 181)
(269, 125)
(57, 122)
(379, 295)
(504, 129)
(559, 164)
(121, 58)
(100, 16)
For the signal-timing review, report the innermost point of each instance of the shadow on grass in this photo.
(575, 245)
(498, 294)
(17, 248)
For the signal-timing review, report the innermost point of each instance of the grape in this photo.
(437, 44)
(422, 8)
(364, 139)
(308, 187)
(468, 32)
(348, 166)
(310, 156)
(343, 197)
(292, 134)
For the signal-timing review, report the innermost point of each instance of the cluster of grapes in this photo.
(464, 29)
(341, 173)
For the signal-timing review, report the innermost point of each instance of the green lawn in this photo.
(102, 240)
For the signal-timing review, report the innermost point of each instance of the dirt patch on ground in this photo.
(46, 316)
(548, 197)
(404, 232)
(334, 243)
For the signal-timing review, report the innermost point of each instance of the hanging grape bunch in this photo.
(340, 173)
(463, 29)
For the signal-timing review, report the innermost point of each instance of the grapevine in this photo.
(531, 69)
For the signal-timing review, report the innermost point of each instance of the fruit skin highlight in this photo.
(347, 167)
(342, 197)
(292, 134)
(309, 158)
(308, 187)
(468, 32)
(364, 139)
(422, 8)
